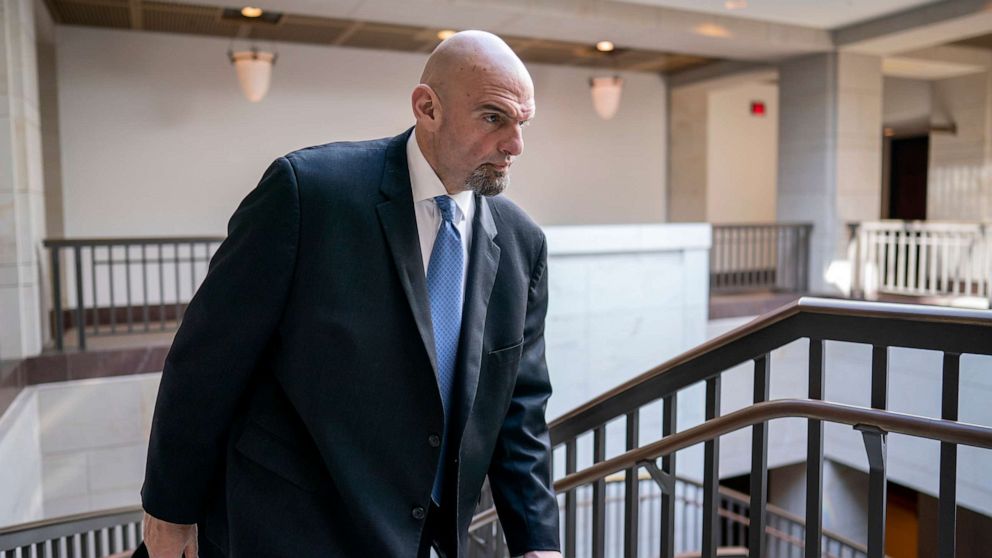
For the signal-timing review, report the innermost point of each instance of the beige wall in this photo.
(742, 157)
(723, 159)
(157, 139)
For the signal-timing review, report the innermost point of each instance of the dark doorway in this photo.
(909, 158)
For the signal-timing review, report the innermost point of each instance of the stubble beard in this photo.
(487, 181)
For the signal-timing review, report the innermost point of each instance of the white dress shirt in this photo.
(426, 185)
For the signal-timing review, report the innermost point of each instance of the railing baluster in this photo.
(874, 440)
(900, 244)
(632, 492)
(175, 258)
(57, 297)
(947, 503)
(161, 287)
(911, 267)
(77, 263)
(110, 276)
(599, 497)
(814, 455)
(711, 473)
(668, 425)
(127, 285)
(749, 256)
(95, 314)
(934, 258)
(759, 462)
(192, 269)
(571, 459)
(144, 285)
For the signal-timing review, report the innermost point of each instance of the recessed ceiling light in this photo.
(735, 4)
(250, 11)
(604, 46)
(445, 33)
(712, 30)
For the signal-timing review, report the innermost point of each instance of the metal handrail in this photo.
(35, 532)
(129, 241)
(951, 331)
(635, 392)
(887, 421)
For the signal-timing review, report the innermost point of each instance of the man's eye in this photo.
(492, 118)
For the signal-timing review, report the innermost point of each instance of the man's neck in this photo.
(426, 144)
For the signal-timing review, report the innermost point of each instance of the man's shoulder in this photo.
(510, 214)
(339, 155)
(513, 223)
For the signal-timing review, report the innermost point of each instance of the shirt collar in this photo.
(425, 183)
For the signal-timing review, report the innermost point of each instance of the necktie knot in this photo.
(447, 207)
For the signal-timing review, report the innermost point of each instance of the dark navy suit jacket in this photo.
(298, 409)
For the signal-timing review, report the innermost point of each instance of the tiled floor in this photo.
(122, 339)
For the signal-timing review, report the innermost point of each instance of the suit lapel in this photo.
(482, 265)
(399, 224)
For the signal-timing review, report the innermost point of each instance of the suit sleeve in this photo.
(520, 472)
(224, 331)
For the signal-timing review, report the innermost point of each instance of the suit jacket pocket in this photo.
(503, 356)
(277, 456)
(502, 372)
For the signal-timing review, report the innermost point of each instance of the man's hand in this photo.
(542, 554)
(169, 540)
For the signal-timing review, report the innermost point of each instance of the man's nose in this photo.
(513, 145)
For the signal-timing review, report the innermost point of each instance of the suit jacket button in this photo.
(434, 440)
(418, 513)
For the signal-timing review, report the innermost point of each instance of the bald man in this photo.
(368, 345)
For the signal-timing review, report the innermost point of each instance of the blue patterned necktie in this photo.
(444, 286)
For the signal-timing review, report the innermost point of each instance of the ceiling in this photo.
(983, 41)
(819, 14)
(201, 19)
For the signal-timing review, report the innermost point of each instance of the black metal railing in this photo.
(952, 332)
(785, 530)
(86, 535)
(111, 286)
(760, 257)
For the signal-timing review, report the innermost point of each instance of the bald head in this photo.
(469, 56)
(472, 102)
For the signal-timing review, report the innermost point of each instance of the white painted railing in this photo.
(918, 258)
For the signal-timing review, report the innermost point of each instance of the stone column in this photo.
(687, 142)
(830, 153)
(22, 202)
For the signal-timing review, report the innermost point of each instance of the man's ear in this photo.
(426, 107)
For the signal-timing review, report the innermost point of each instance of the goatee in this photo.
(487, 181)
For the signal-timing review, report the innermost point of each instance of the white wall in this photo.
(845, 497)
(157, 139)
(742, 155)
(905, 102)
(622, 300)
(94, 440)
(20, 461)
(959, 185)
(73, 447)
